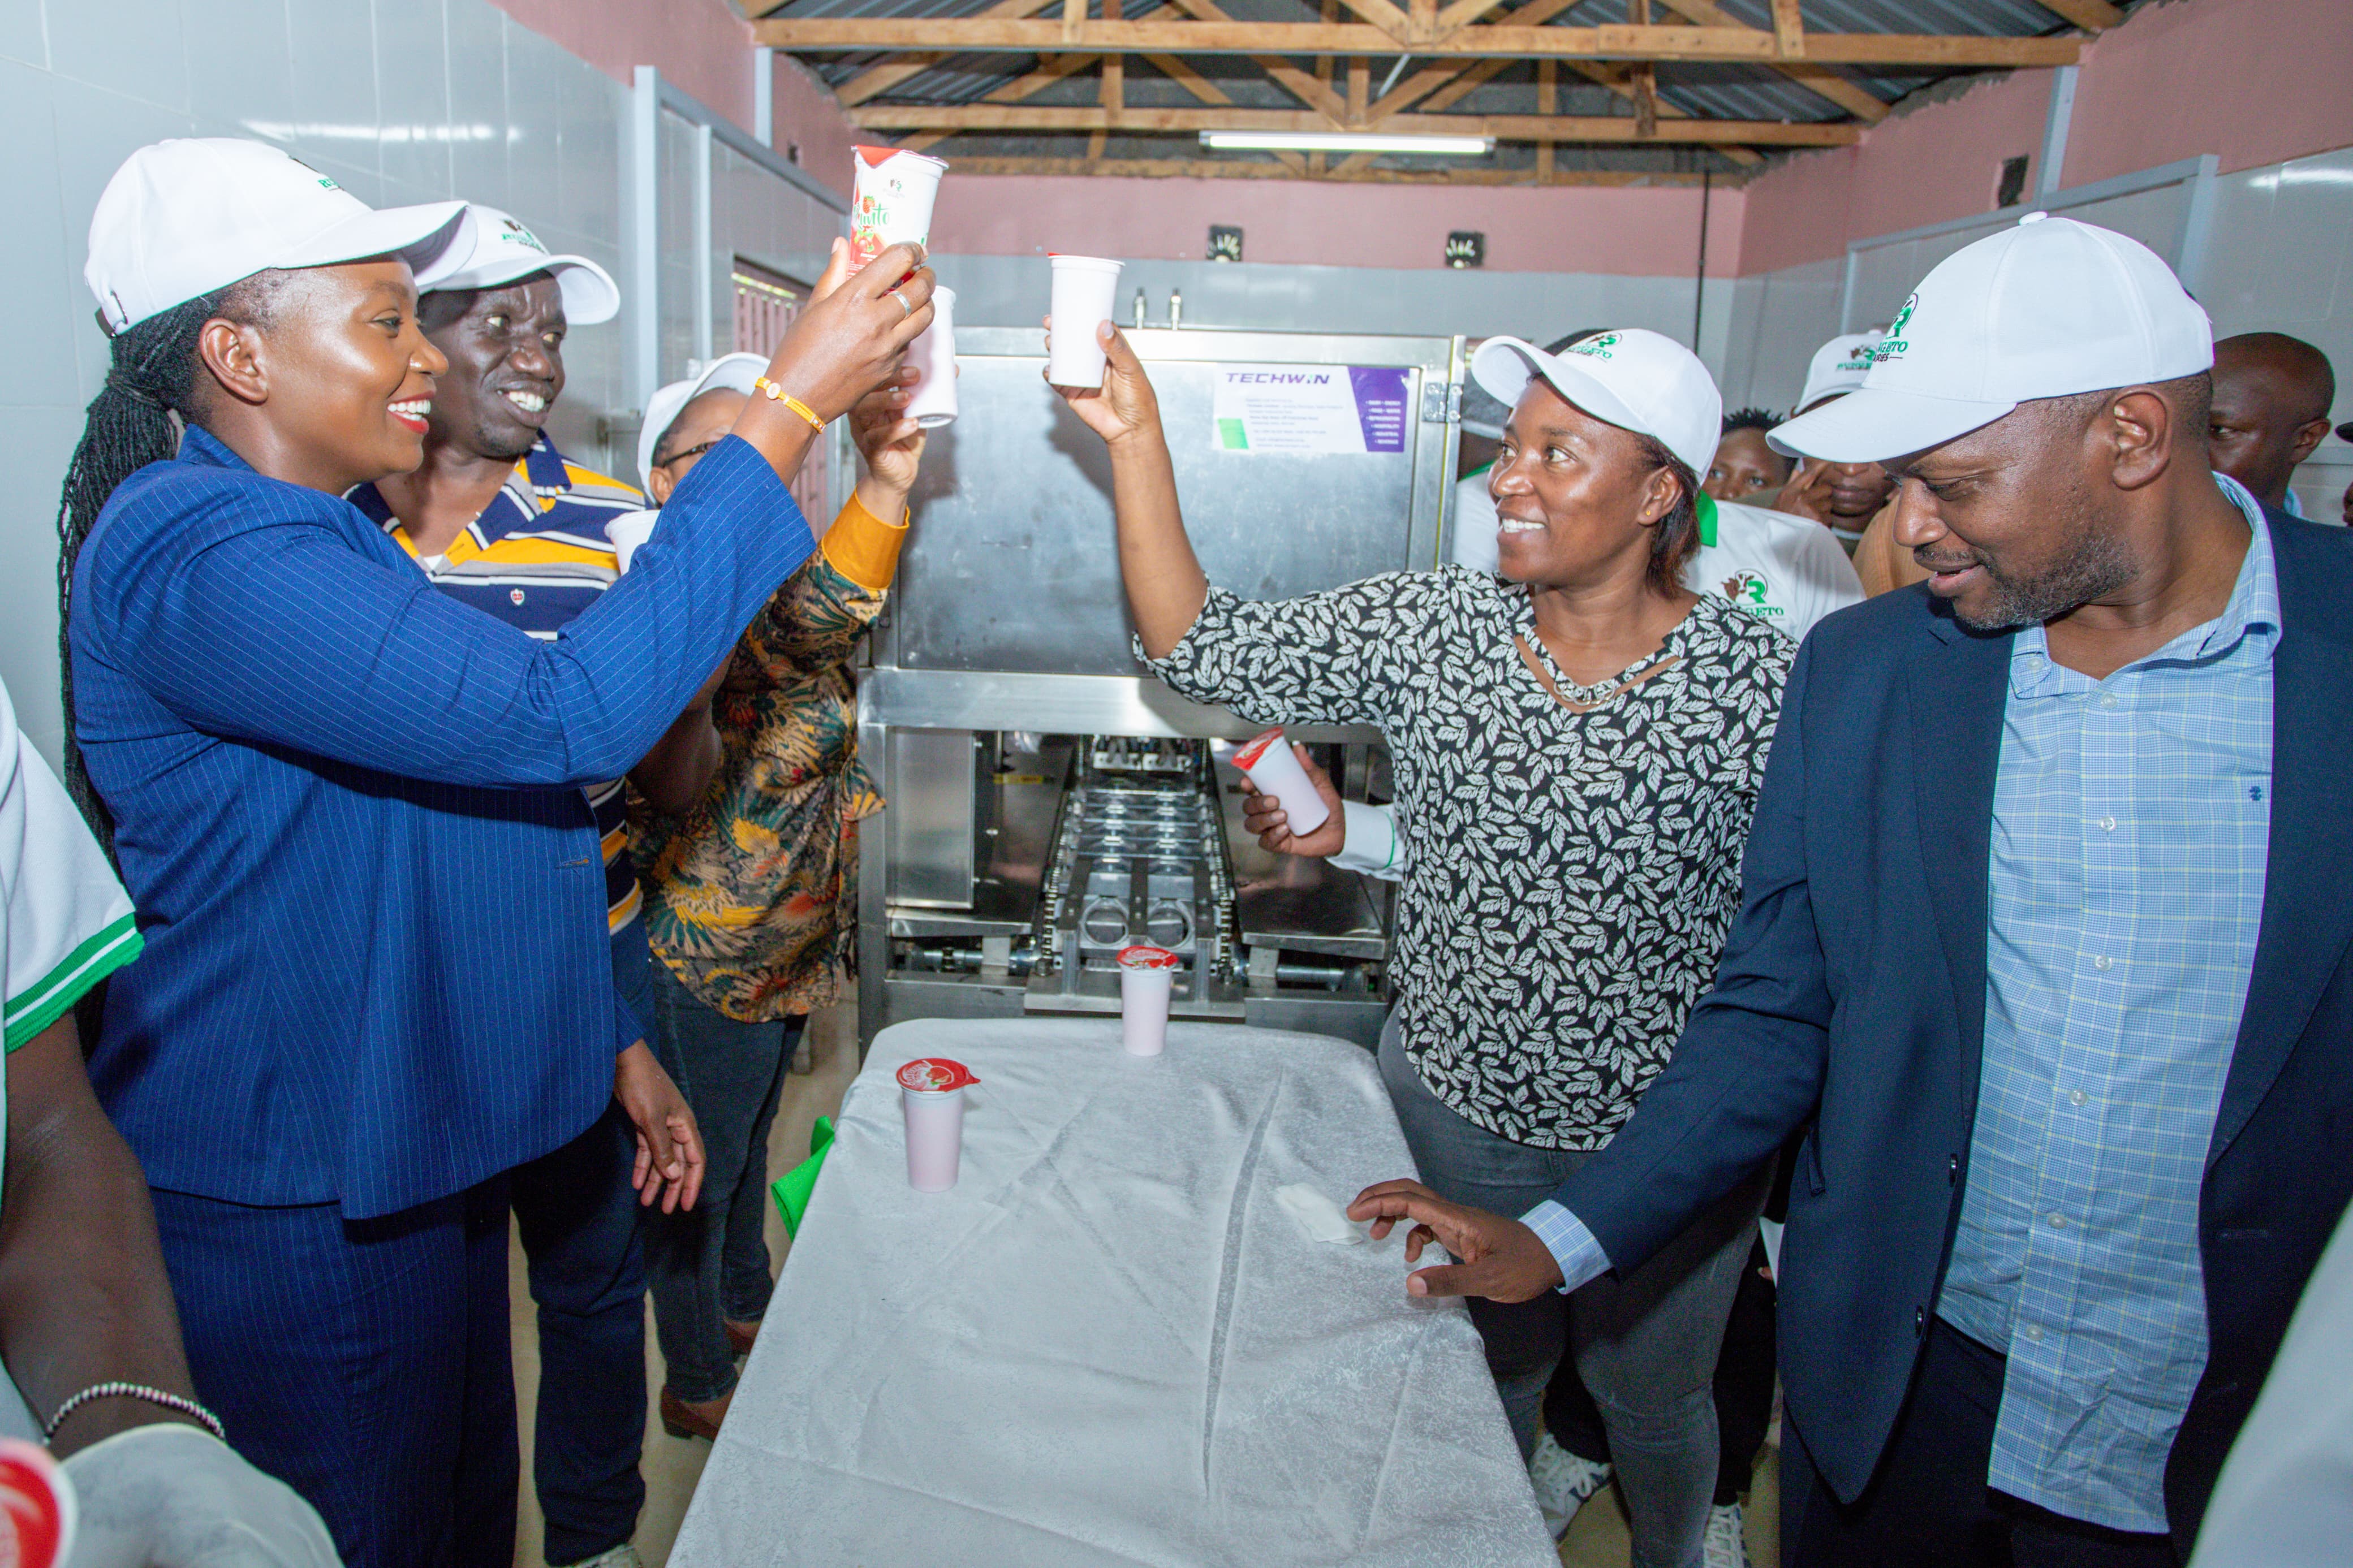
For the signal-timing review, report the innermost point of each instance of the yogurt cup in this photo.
(1147, 979)
(1084, 288)
(1274, 769)
(934, 354)
(931, 1098)
(891, 200)
(628, 533)
(36, 1507)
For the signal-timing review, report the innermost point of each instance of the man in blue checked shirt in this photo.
(2044, 928)
(348, 809)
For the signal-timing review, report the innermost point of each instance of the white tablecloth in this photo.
(1109, 1343)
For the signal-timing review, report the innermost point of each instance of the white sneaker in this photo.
(1727, 1545)
(622, 1556)
(1563, 1481)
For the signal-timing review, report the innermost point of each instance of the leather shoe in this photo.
(681, 1419)
(740, 1336)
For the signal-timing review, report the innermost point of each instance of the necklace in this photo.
(1536, 669)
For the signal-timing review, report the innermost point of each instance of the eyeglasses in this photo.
(676, 457)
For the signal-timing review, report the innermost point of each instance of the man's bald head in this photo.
(2272, 393)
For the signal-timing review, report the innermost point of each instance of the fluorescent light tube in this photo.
(1346, 141)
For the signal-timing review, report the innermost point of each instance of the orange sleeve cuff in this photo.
(862, 547)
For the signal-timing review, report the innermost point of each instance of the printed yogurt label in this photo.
(934, 1075)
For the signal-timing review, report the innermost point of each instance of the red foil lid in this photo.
(1247, 758)
(935, 1075)
(37, 1505)
(1147, 958)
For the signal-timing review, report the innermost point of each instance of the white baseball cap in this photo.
(185, 217)
(1636, 379)
(731, 373)
(492, 247)
(2047, 309)
(1838, 367)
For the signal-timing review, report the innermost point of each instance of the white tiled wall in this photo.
(1778, 320)
(786, 234)
(2279, 258)
(401, 100)
(1011, 291)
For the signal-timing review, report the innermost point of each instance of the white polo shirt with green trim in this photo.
(64, 922)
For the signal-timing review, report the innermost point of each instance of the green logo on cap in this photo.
(324, 182)
(518, 235)
(1893, 344)
(1597, 345)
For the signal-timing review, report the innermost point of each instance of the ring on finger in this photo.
(906, 310)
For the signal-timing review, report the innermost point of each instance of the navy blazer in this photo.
(1854, 982)
(348, 809)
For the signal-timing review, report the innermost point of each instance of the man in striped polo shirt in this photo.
(499, 518)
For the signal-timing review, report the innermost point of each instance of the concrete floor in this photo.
(672, 1466)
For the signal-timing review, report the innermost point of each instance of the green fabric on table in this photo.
(792, 1189)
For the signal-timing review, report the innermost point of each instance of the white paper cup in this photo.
(1272, 766)
(934, 354)
(1147, 979)
(1084, 289)
(628, 533)
(891, 200)
(935, 1137)
(931, 1098)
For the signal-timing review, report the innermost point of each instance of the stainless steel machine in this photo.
(1050, 801)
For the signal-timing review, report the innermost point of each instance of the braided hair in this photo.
(1750, 419)
(154, 389)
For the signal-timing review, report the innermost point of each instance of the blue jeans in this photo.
(577, 1215)
(364, 1363)
(1645, 1342)
(710, 1262)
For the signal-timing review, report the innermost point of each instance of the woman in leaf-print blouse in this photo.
(1577, 747)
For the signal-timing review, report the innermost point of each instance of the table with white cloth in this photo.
(1110, 1342)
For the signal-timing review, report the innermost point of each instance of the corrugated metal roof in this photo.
(1718, 91)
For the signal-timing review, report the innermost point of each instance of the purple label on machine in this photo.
(1380, 405)
(1311, 410)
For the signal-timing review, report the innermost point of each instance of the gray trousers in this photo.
(1645, 1343)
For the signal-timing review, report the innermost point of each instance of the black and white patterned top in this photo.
(1568, 877)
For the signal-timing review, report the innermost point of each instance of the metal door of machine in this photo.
(1014, 570)
(1009, 620)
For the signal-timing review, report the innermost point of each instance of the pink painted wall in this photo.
(1941, 161)
(807, 116)
(706, 49)
(2255, 81)
(1564, 228)
(701, 45)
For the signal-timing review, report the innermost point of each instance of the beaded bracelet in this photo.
(780, 394)
(188, 1407)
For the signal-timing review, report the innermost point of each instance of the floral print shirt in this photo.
(1569, 876)
(751, 896)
